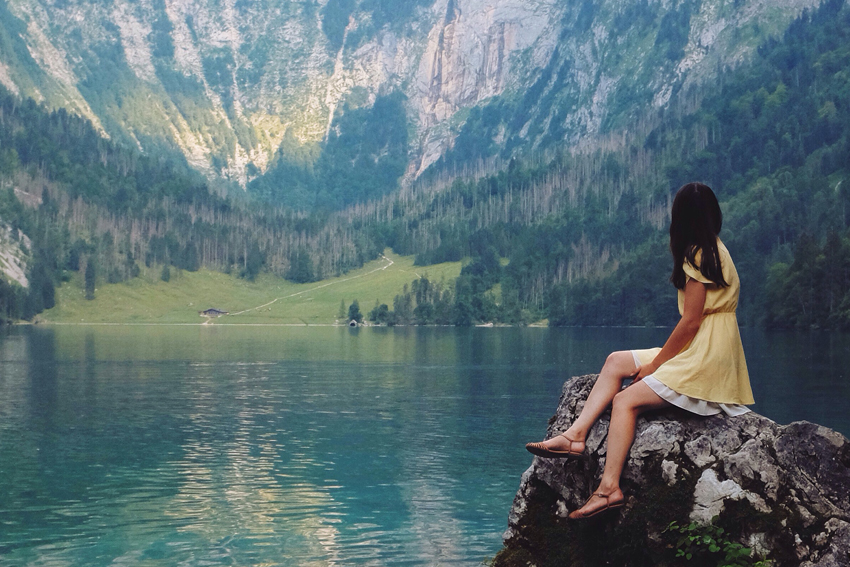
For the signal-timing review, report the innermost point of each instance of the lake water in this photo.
(308, 446)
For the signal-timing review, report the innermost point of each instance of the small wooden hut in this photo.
(212, 313)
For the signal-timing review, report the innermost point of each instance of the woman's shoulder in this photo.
(721, 248)
(694, 269)
(697, 251)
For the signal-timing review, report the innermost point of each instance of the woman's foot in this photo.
(599, 502)
(557, 447)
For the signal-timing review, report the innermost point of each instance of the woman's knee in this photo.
(621, 362)
(637, 399)
(623, 401)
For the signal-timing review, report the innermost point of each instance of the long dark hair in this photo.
(695, 225)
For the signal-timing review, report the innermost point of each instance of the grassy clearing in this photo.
(269, 300)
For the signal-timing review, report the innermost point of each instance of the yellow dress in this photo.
(710, 372)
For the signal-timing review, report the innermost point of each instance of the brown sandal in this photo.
(541, 451)
(576, 515)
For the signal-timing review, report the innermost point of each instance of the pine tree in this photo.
(354, 312)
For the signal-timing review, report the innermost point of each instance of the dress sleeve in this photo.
(693, 271)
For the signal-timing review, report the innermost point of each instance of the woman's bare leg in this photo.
(618, 366)
(627, 406)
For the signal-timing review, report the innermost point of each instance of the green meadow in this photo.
(269, 300)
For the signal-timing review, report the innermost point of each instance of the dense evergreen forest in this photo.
(772, 139)
(362, 159)
(575, 235)
(96, 208)
(585, 233)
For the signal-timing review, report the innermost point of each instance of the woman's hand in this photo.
(643, 371)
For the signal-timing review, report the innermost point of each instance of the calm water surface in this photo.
(307, 446)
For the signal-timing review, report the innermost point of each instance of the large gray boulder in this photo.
(783, 491)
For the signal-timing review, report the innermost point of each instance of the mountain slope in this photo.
(222, 83)
(582, 226)
(584, 229)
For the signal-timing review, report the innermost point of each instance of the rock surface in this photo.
(783, 491)
(13, 258)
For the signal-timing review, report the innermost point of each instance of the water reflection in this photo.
(307, 446)
(234, 487)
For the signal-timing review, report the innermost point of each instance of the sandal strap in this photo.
(570, 441)
(607, 498)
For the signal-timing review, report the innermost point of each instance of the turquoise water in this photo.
(307, 446)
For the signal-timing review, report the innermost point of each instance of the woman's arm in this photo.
(685, 330)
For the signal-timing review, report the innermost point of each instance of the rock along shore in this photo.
(783, 491)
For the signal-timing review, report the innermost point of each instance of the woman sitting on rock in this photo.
(701, 367)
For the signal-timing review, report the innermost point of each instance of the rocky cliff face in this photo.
(222, 82)
(783, 491)
(15, 249)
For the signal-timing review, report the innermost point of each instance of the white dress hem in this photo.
(693, 405)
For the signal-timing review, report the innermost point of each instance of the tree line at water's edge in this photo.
(576, 238)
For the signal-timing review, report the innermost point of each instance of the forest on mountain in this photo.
(585, 233)
(99, 209)
(573, 235)
(363, 158)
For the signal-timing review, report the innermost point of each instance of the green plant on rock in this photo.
(709, 545)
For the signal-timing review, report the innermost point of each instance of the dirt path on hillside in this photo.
(390, 263)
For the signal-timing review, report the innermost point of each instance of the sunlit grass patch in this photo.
(268, 300)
